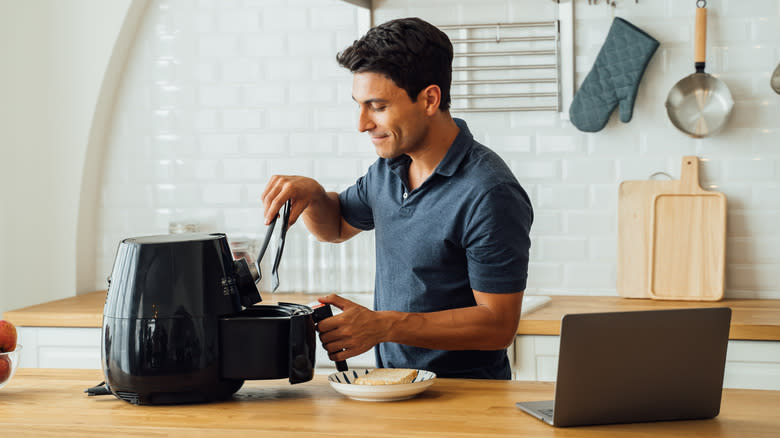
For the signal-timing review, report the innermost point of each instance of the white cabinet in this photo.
(60, 347)
(749, 364)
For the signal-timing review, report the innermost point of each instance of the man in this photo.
(451, 221)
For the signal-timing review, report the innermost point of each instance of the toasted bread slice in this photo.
(387, 376)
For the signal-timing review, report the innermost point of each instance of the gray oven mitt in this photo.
(614, 78)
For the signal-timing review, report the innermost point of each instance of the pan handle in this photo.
(700, 37)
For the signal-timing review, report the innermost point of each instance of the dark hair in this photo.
(411, 52)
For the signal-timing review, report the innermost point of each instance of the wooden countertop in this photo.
(51, 402)
(750, 320)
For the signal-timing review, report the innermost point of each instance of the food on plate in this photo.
(387, 376)
(5, 368)
(7, 336)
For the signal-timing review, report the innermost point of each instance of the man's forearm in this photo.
(470, 328)
(323, 218)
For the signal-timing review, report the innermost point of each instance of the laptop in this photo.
(628, 367)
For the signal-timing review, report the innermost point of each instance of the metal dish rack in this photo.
(505, 67)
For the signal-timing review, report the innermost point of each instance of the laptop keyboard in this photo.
(547, 412)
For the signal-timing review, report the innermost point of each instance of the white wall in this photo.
(218, 95)
(54, 58)
(224, 94)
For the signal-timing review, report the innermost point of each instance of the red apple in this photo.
(7, 336)
(5, 368)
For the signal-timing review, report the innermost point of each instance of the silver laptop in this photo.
(627, 367)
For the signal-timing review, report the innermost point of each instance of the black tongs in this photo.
(280, 246)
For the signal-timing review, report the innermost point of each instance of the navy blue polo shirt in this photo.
(466, 227)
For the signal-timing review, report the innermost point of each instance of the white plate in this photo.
(342, 382)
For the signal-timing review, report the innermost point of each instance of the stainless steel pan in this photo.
(774, 81)
(699, 104)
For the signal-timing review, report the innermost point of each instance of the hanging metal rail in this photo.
(524, 77)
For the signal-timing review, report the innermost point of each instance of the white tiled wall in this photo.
(219, 95)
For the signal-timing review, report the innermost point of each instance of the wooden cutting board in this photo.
(687, 252)
(634, 208)
(649, 264)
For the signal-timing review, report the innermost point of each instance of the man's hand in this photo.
(301, 191)
(355, 330)
(320, 210)
(489, 325)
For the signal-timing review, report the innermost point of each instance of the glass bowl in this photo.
(9, 361)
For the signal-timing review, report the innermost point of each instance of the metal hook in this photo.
(498, 32)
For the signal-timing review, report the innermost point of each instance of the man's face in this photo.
(396, 124)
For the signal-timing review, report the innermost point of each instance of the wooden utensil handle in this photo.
(700, 37)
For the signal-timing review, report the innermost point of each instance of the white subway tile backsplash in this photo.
(205, 121)
(337, 169)
(764, 196)
(603, 249)
(237, 21)
(313, 94)
(754, 250)
(547, 222)
(545, 170)
(588, 171)
(509, 143)
(312, 143)
(284, 19)
(590, 223)
(264, 94)
(332, 17)
(545, 275)
(243, 169)
(727, 30)
(115, 195)
(244, 220)
(749, 57)
(747, 223)
(240, 71)
(624, 143)
(220, 46)
(593, 278)
(749, 170)
(289, 166)
(753, 278)
(288, 69)
(558, 144)
(638, 169)
(562, 249)
(221, 194)
(763, 30)
(562, 196)
(218, 144)
(355, 143)
(603, 196)
(334, 118)
(220, 94)
(270, 143)
(288, 119)
(267, 45)
(242, 119)
(312, 43)
(747, 8)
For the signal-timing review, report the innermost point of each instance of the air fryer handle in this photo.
(321, 312)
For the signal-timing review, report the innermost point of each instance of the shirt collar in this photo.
(452, 159)
(457, 151)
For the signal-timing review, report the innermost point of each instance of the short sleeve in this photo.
(356, 206)
(497, 240)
